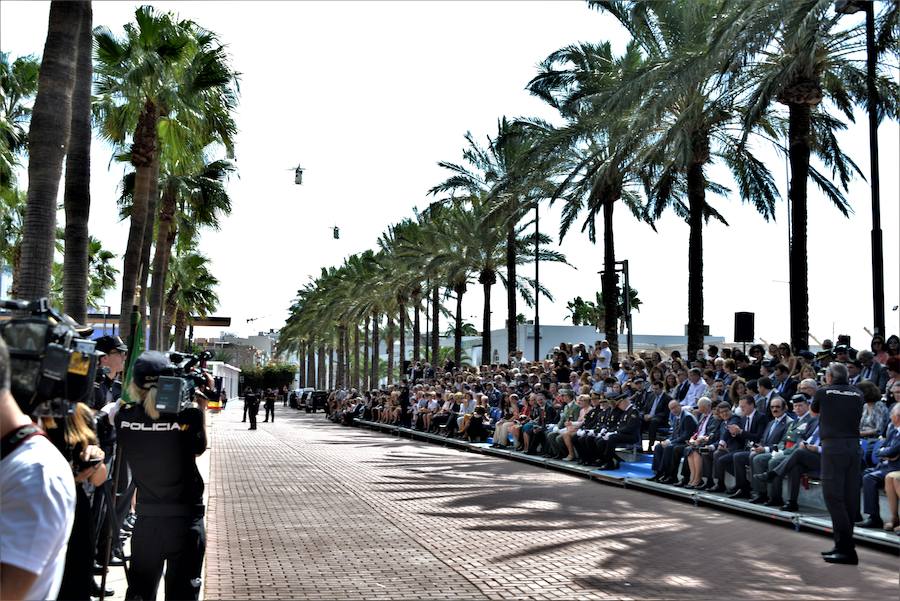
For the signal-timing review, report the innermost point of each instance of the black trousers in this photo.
(245, 413)
(798, 463)
(252, 413)
(270, 410)
(177, 542)
(841, 469)
(78, 575)
(606, 449)
(652, 426)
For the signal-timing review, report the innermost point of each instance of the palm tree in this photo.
(191, 291)
(47, 142)
(595, 151)
(77, 199)
(100, 279)
(502, 172)
(166, 79)
(686, 113)
(193, 195)
(478, 247)
(794, 54)
(12, 220)
(18, 82)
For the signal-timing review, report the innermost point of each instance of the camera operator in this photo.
(38, 492)
(161, 451)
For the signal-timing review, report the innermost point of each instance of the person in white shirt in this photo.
(38, 492)
(604, 358)
(696, 388)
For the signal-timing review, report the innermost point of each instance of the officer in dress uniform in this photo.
(627, 431)
(840, 406)
(161, 449)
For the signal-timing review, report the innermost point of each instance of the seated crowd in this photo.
(721, 413)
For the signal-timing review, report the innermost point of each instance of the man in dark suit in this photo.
(654, 412)
(785, 386)
(723, 443)
(772, 435)
(797, 431)
(806, 458)
(766, 392)
(888, 461)
(750, 430)
(665, 461)
(872, 370)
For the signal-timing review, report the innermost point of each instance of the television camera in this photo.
(51, 365)
(178, 384)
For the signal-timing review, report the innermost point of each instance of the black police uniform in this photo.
(169, 527)
(628, 431)
(840, 408)
(251, 406)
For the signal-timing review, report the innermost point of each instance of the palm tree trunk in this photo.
(402, 333)
(311, 366)
(331, 374)
(147, 245)
(169, 316)
(320, 380)
(512, 331)
(161, 257)
(696, 182)
(339, 358)
(417, 329)
(366, 371)
(48, 139)
(798, 152)
(143, 154)
(389, 337)
(486, 358)
(608, 281)
(356, 383)
(180, 328)
(78, 178)
(435, 334)
(375, 350)
(457, 334)
(301, 366)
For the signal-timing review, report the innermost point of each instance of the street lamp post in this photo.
(537, 284)
(848, 7)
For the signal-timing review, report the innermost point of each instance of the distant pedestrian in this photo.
(271, 393)
(251, 407)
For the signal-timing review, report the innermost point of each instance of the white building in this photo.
(229, 374)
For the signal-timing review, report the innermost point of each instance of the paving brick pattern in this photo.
(305, 509)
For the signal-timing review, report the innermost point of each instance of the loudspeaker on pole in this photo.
(743, 326)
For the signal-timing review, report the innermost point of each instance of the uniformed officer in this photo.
(251, 405)
(161, 450)
(627, 431)
(582, 441)
(270, 404)
(840, 407)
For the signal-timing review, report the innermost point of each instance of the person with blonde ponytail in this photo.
(161, 450)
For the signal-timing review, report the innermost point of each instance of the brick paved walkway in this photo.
(304, 509)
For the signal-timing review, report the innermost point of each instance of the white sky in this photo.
(369, 96)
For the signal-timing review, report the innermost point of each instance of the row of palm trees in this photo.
(700, 83)
(164, 95)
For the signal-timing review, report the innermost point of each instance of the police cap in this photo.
(148, 367)
(107, 344)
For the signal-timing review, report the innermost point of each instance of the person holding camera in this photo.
(161, 449)
(38, 492)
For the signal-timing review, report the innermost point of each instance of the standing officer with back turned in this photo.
(840, 407)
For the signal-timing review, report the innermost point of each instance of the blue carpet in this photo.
(631, 469)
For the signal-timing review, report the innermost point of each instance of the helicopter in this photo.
(298, 174)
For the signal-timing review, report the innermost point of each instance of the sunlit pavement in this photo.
(305, 509)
